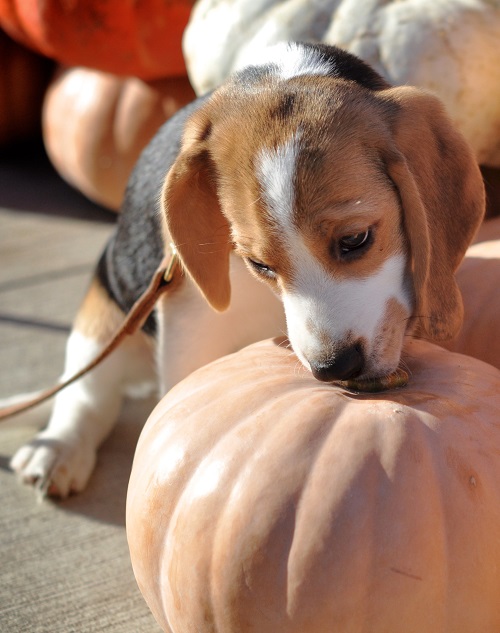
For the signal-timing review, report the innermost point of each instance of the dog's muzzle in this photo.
(346, 364)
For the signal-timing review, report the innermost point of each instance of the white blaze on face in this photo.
(294, 60)
(276, 173)
(323, 313)
(287, 60)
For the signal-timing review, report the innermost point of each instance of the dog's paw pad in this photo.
(54, 466)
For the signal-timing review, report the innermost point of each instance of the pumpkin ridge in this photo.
(325, 512)
(189, 475)
(317, 436)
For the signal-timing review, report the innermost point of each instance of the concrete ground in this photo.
(64, 565)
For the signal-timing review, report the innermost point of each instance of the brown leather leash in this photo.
(140, 311)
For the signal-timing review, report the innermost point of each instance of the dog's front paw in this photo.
(54, 464)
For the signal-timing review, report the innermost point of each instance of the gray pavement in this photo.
(64, 565)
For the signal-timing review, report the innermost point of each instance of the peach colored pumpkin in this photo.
(263, 501)
(23, 79)
(489, 230)
(478, 279)
(96, 124)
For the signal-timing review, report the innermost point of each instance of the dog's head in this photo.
(355, 201)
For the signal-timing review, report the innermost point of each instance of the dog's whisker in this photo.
(404, 365)
(419, 337)
(285, 344)
(298, 368)
(254, 202)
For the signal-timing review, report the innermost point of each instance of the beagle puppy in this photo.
(306, 183)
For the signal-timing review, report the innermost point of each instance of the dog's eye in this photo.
(261, 269)
(350, 243)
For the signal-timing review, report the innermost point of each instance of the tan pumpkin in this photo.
(96, 124)
(23, 80)
(263, 501)
(478, 278)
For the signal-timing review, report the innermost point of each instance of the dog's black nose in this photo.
(347, 363)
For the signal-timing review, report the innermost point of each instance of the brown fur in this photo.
(98, 317)
(394, 149)
(442, 194)
(389, 337)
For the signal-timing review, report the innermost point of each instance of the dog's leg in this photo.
(192, 334)
(60, 459)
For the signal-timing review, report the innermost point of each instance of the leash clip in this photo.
(171, 264)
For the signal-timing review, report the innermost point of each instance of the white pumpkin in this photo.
(451, 47)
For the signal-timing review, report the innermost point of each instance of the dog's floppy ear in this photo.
(442, 197)
(194, 218)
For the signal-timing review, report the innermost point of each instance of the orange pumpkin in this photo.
(23, 80)
(126, 37)
(96, 124)
(261, 500)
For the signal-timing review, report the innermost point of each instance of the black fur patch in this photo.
(285, 108)
(206, 132)
(343, 65)
(136, 249)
